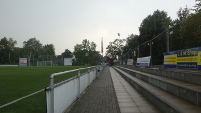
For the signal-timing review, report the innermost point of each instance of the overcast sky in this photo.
(65, 23)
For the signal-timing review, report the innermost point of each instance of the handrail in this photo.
(52, 84)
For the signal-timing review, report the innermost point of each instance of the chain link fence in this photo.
(154, 48)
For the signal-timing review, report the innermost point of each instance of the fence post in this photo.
(52, 94)
(138, 54)
(88, 77)
(94, 70)
(97, 68)
(150, 42)
(167, 39)
(78, 89)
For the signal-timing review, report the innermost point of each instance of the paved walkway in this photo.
(105, 97)
(100, 97)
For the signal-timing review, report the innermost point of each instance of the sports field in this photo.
(16, 82)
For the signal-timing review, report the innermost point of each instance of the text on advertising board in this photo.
(188, 58)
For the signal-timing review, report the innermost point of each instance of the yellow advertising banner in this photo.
(199, 58)
(170, 59)
(188, 58)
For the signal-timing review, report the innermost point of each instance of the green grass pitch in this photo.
(16, 82)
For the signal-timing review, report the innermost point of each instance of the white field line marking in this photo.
(14, 101)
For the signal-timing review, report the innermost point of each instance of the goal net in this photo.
(44, 63)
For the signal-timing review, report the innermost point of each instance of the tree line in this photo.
(34, 50)
(184, 32)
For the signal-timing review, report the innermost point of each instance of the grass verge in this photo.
(16, 82)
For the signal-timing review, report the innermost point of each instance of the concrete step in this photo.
(165, 101)
(129, 99)
(190, 76)
(186, 91)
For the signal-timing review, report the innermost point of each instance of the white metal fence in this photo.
(61, 95)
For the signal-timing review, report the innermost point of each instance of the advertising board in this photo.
(130, 62)
(68, 61)
(187, 58)
(22, 61)
(143, 61)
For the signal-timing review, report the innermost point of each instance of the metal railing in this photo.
(61, 95)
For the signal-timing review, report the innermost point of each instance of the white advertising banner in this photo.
(68, 61)
(22, 61)
(130, 62)
(143, 61)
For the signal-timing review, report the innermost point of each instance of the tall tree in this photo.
(67, 54)
(191, 31)
(32, 49)
(17, 52)
(183, 13)
(86, 44)
(32, 46)
(8, 43)
(130, 49)
(110, 52)
(131, 42)
(48, 49)
(79, 54)
(47, 53)
(197, 6)
(93, 46)
(7, 47)
(175, 37)
(115, 49)
(153, 25)
(86, 53)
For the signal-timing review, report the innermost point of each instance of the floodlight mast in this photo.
(102, 46)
